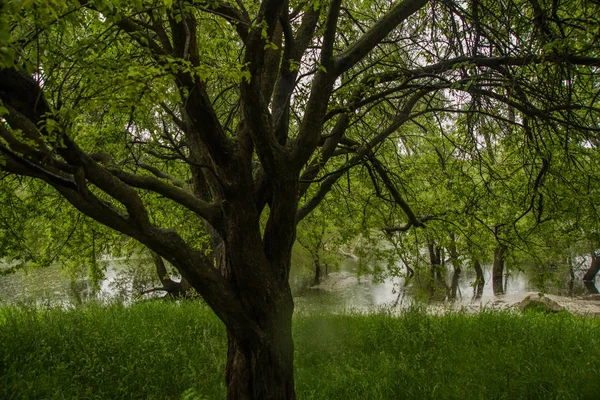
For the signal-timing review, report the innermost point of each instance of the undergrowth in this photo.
(168, 350)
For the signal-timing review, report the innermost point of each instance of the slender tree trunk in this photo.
(317, 277)
(571, 278)
(454, 286)
(589, 279)
(410, 273)
(437, 280)
(433, 265)
(479, 280)
(454, 258)
(498, 269)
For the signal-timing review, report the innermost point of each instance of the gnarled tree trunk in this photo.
(260, 348)
(260, 366)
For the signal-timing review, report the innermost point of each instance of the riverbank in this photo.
(165, 350)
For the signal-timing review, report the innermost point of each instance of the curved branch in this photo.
(356, 52)
(238, 18)
(484, 61)
(327, 152)
(361, 153)
(420, 223)
(208, 211)
(398, 199)
(206, 126)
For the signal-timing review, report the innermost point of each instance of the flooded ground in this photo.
(344, 291)
(339, 291)
(122, 279)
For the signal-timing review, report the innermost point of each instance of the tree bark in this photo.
(498, 269)
(260, 346)
(262, 368)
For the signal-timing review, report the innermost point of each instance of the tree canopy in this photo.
(169, 120)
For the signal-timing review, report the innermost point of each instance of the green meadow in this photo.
(177, 350)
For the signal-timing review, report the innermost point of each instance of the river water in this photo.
(341, 290)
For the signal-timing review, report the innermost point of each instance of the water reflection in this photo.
(341, 290)
(34, 285)
(123, 279)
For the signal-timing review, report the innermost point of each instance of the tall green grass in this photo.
(152, 350)
(166, 350)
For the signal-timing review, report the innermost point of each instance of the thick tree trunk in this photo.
(479, 280)
(263, 368)
(498, 270)
(260, 359)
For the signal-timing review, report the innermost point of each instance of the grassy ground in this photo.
(159, 350)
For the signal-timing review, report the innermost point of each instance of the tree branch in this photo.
(357, 51)
(327, 152)
(208, 211)
(361, 153)
(321, 88)
(420, 224)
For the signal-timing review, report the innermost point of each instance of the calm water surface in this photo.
(340, 290)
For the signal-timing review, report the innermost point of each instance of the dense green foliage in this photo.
(161, 350)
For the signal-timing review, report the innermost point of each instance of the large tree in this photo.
(236, 112)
